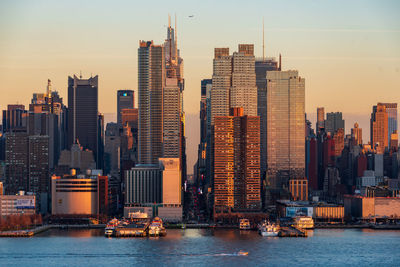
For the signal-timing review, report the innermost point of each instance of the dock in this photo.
(292, 232)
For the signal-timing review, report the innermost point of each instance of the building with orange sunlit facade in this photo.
(79, 194)
(338, 139)
(356, 135)
(379, 128)
(237, 162)
(298, 189)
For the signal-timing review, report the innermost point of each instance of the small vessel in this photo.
(110, 227)
(243, 253)
(244, 224)
(303, 222)
(157, 228)
(267, 228)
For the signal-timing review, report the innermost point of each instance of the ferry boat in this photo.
(267, 228)
(303, 222)
(110, 227)
(244, 224)
(157, 228)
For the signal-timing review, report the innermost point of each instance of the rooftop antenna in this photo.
(176, 41)
(169, 21)
(263, 42)
(80, 75)
(280, 62)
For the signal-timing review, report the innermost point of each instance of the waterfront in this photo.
(206, 247)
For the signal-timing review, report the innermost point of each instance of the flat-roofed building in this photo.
(79, 194)
(19, 204)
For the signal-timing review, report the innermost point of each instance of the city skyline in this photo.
(358, 48)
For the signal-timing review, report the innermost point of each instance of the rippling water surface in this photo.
(203, 247)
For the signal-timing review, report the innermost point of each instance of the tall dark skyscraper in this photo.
(83, 112)
(263, 65)
(151, 76)
(125, 100)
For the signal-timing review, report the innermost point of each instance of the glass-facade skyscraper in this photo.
(285, 127)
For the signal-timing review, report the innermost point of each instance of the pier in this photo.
(292, 232)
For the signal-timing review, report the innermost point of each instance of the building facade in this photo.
(83, 113)
(379, 128)
(237, 162)
(285, 127)
(125, 100)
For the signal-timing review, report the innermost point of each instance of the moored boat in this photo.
(267, 228)
(244, 224)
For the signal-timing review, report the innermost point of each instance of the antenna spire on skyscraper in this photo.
(263, 42)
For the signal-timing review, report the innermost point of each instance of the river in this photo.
(204, 247)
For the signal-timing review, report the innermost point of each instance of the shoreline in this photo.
(44, 228)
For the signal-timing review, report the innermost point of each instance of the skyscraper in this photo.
(38, 169)
(151, 76)
(16, 162)
(379, 128)
(237, 162)
(83, 113)
(285, 127)
(14, 118)
(221, 83)
(320, 118)
(333, 122)
(391, 109)
(125, 100)
(262, 66)
(234, 81)
(244, 89)
(356, 135)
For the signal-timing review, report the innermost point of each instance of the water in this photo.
(203, 247)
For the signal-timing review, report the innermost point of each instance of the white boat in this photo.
(110, 227)
(156, 228)
(268, 229)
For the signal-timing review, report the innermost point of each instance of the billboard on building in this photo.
(25, 203)
(299, 211)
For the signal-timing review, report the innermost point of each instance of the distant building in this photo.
(130, 117)
(356, 135)
(285, 127)
(125, 100)
(143, 185)
(16, 153)
(112, 148)
(379, 128)
(19, 204)
(38, 170)
(76, 158)
(338, 139)
(391, 109)
(151, 75)
(320, 118)
(237, 162)
(234, 81)
(298, 188)
(83, 113)
(333, 122)
(263, 65)
(79, 194)
(14, 118)
(171, 181)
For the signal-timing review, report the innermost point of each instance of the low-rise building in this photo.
(372, 208)
(20, 204)
(79, 194)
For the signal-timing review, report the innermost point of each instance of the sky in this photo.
(347, 51)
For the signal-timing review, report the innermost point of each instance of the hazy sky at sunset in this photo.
(348, 51)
